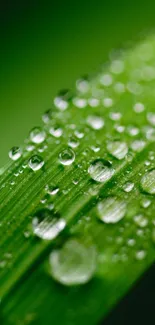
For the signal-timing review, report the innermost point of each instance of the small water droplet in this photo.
(95, 122)
(56, 131)
(151, 118)
(47, 225)
(117, 149)
(138, 145)
(67, 157)
(148, 182)
(36, 162)
(100, 170)
(74, 263)
(47, 116)
(141, 221)
(140, 255)
(107, 102)
(145, 203)
(15, 153)
(106, 80)
(37, 135)
(62, 100)
(51, 189)
(128, 187)
(73, 142)
(139, 107)
(111, 210)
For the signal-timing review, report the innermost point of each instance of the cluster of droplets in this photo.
(104, 140)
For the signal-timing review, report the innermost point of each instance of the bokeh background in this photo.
(47, 45)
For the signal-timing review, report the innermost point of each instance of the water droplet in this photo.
(37, 135)
(117, 66)
(140, 255)
(115, 116)
(36, 162)
(79, 102)
(73, 142)
(47, 116)
(52, 190)
(56, 131)
(133, 130)
(151, 118)
(106, 80)
(15, 153)
(74, 263)
(131, 242)
(107, 102)
(117, 149)
(95, 122)
(62, 100)
(148, 182)
(100, 170)
(139, 107)
(141, 221)
(119, 88)
(47, 225)
(93, 102)
(138, 145)
(67, 157)
(111, 210)
(145, 203)
(128, 187)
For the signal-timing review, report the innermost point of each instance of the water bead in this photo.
(47, 225)
(148, 182)
(111, 209)
(36, 162)
(100, 170)
(117, 149)
(37, 135)
(74, 263)
(67, 157)
(95, 122)
(15, 153)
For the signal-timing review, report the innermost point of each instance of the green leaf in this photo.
(89, 175)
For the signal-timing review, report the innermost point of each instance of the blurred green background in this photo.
(46, 46)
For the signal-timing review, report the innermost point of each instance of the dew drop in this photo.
(148, 182)
(56, 131)
(47, 116)
(117, 149)
(139, 107)
(73, 264)
(100, 170)
(73, 142)
(47, 225)
(36, 162)
(151, 118)
(95, 122)
(67, 157)
(141, 221)
(128, 187)
(111, 210)
(37, 135)
(15, 153)
(138, 145)
(106, 80)
(140, 255)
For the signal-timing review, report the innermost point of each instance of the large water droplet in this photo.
(47, 225)
(117, 149)
(111, 210)
(95, 122)
(36, 162)
(74, 263)
(148, 182)
(67, 157)
(100, 170)
(37, 135)
(15, 153)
